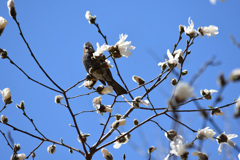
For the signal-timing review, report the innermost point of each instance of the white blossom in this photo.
(118, 123)
(97, 100)
(123, 46)
(178, 148)
(10, 4)
(91, 19)
(173, 61)
(18, 157)
(183, 92)
(205, 134)
(106, 154)
(108, 89)
(190, 31)
(209, 31)
(216, 111)
(213, 2)
(201, 156)
(6, 95)
(167, 158)
(225, 138)
(138, 100)
(121, 141)
(207, 94)
(100, 50)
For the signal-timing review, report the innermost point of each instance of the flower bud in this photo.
(3, 23)
(91, 19)
(33, 155)
(207, 94)
(235, 75)
(118, 123)
(184, 72)
(3, 52)
(11, 8)
(70, 151)
(51, 149)
(118, 116)
(151, 149)
(181, 29)
(6, 95)
(16, 147)
(188, 52)
(58, 99)
(139, 80)
(107, 155)
(21, 106)
(135, 122)
(221, 80)
(171, 134)
(174, 81)
(4, 119)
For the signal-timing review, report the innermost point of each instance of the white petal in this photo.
(220, 148)
(117, 145)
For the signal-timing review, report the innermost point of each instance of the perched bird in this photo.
(94, 67)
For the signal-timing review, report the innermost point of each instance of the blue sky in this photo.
(56, 32)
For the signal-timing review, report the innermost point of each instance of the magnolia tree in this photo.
(119, 124)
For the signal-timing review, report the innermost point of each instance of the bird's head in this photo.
(88, 48)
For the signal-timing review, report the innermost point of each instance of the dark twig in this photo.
(30, 77)
(31, 120)
(81, 95)
(6, 140)
(75, 85)
(4, 107)
(21, 33)
(181, 123)
(34, 149)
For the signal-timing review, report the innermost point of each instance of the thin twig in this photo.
(30, 77)
(21, 33)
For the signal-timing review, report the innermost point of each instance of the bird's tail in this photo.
(117, 87)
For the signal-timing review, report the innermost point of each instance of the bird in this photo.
(94, 68)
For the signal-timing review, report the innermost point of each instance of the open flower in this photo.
(209, 31)
(121, 141)
(104, 90)
(6, 95)
(205, 134)
(91, 19)
(138, 100)
(173, 60)
(207, 94)
(216, 111)
(190, 31)
(3, 23)
(183, 92)
(223, 138)
(100, 50)
(178, 148)
(118, 123)
(123, 46)
(107, 155)
(201, 156)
